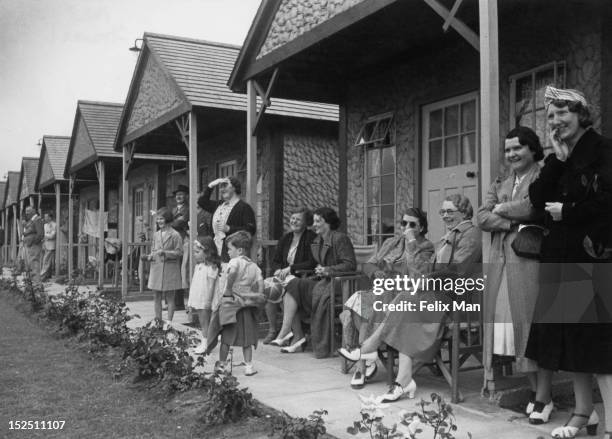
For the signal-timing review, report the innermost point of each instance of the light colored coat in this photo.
(165, 274)
(521, 273)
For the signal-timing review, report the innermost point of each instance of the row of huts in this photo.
(413, 100)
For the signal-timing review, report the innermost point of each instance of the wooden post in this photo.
(6, 235)
(70, 251)
(58, 233)
(101, 186)
(124, 228)
(489, 129)
(39, 203)
(251, 153)
(343, 163)
(489, 101)
(193, 185)
(15, 240)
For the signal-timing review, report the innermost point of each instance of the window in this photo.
(377, 137)
(452, 135)
(527, 98)
(227, 169)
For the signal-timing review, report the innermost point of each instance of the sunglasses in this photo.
(447, 211)
(412, 224)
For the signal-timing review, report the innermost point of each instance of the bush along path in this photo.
(75, 369)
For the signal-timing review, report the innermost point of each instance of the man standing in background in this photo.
(33, 234)
(50, 229)
(180, 224)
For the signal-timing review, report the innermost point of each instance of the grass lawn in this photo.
(43, 377)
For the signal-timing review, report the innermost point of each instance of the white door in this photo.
(450, 155)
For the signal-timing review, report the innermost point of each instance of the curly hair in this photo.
(330, 216)
(462, 203)
(240, 239)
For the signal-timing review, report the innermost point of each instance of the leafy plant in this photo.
(287, 427)
(226, 402)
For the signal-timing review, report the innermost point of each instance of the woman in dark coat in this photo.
(230, 214)
(292, 253)
(334, 253)
(575, 190)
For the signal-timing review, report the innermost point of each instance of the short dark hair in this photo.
(48, 212)
(330, 216)
(584, 115)
(306, 214)
(240, 239)
(526, 136)
(166, 214)
(236, 184)
(420, 215)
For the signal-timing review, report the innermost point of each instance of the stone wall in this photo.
(453, 71)
(310, 175)
(156, 95)
(296, 17)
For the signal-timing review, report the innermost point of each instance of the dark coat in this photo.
(568, 294)
(180, 219)
(242, 217)
(33, 232)
(303, 255)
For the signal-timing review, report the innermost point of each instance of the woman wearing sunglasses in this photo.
(409, 254)
(417, 335)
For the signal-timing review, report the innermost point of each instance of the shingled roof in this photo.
(2, 194)
(27, 178)
(200, 70)
(93, 133)
(13, 188)
(53, 155)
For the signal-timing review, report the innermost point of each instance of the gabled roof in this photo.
(12, 190)
(2, 194)
(53, 155)
(93, 133)
(196, 74)
(27, 177)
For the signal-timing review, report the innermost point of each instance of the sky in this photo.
(55, 52)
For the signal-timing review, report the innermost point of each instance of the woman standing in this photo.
(575, 190)
(230, 214)
(165, 275)
(292, 253)
(512, 281)
(334, 253)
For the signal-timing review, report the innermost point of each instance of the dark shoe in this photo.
(541, 412)
(358, 380)
(271, 336)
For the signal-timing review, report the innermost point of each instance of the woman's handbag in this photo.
(228, 309)
(250, 298)
(528, 241)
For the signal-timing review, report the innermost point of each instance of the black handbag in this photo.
(528, 241)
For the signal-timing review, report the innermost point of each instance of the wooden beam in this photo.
(343, 164)
(6, 236)
(265, 98)
(101, 185)
(15, 239)
(58, 233)
(182, 124)
(128, 158)
(251, 153)
(461, 28)
(193, 185)
(451, 16)
(70, 227)
(124, 224)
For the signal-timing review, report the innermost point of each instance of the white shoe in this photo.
(249, 370)
(370, 369)
(358, 380)
(201, 348)
(569, 431)
(282, 341)
(541, 413)
(356, 355)
(396, 391)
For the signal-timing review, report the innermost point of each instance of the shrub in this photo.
(286, 427)
(226, 402)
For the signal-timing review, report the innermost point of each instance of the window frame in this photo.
(376, 143)
(513, 79)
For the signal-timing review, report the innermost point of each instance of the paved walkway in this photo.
(299, 383)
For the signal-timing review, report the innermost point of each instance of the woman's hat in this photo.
(181, 188)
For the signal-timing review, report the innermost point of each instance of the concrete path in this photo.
(299, 383)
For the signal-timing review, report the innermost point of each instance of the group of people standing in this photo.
(38, 244)
(569, 199)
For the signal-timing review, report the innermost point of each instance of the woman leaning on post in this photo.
(512, 281)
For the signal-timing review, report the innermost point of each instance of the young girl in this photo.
(165, 257)
(240, 275)
(204, 283)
